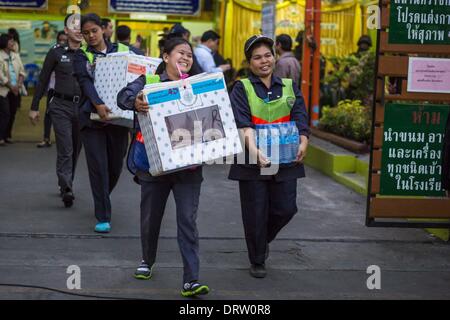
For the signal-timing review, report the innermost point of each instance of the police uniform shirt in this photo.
(59, 59)
(84, 73)
(243, 116)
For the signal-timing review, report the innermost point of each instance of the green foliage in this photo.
(349, 119)
(350, 78)
(361, 78)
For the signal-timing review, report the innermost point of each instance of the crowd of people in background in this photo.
(12, 76)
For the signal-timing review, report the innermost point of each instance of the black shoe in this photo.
(193, 289)
(44, 144)
(9, 141)
(258, 271)
(68, 198)
(2, 143)
(143, 272)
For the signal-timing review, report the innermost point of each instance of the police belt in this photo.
(74, 99)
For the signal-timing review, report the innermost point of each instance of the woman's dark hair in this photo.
(105, 22)
(91, 17)
(169, 46)
(15, 35)
(59, 34)
(4, 38)
(13, 32)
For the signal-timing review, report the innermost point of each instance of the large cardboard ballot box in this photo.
(190, 122)
(112, 74)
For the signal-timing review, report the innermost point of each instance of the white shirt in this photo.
(205, 59)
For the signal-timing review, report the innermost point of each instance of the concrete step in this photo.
(353, 180)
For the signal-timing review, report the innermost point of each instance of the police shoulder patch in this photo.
(290, 101)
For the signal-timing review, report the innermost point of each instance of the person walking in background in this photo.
(63, 106)
(105, 144)
(138, 43)
(16, 76)
(16, 37)
(364, 44)
(5, 87)
(123, 36)
(108, 29)
(287, 65)
(204, 53)
(268, 202)
(230, 74)
(178, 31)
(184, 184)
(298, 50)
(61, 39)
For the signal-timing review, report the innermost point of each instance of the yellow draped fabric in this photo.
(341, 25)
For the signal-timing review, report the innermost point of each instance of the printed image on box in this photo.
(112, 74)
(189, 122)
(200, 125)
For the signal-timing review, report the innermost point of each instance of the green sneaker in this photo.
(143, 272)
(193, 289)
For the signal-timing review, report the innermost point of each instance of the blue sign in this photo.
(173, 7)
(163, 96)
(23, 4)
(207, 86)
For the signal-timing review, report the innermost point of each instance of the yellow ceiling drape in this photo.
(341, 25)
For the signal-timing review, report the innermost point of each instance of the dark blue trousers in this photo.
(105, 150)
(267, 206)
(4, 117)
(153, 202)
(64, 115)
(47, 118)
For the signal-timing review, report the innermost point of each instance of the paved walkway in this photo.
(322, 254)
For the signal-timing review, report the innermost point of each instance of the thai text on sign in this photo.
(412, 149)
(419, 22)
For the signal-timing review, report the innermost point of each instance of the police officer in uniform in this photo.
(268, 201)
(105, 144)
(64, 105)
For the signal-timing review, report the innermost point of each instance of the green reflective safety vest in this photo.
(274, 111)
(90, 56)
(152, 78)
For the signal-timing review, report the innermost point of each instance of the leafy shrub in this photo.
(350, 78)
(349, 119)
(361, 78)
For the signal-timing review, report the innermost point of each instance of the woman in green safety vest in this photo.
(184, 184)
(105, 144)
(268, 192)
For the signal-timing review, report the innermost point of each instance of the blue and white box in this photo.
(190, 122)
(112, 74)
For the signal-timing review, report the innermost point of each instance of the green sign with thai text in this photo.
(419, 22)
(413, 138)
